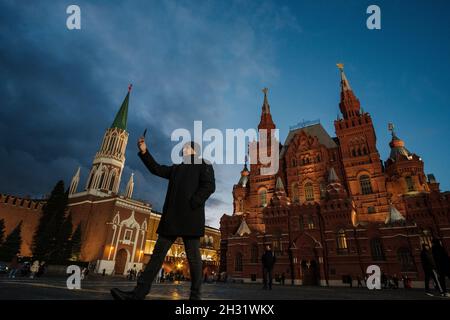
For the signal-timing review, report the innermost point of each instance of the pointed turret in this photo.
(349, 104)
(243, 228)
(393, 215)
(279, 186)
(74, 182)
(397, 145)
(120, 121)
(332, 176)
(130, 187)
(244, 175)
(279, 198)
(266, 118)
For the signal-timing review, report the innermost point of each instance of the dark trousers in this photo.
(437, 278)
(267, 277)
(163, 244)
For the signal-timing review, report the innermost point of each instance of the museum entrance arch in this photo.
(121, 261)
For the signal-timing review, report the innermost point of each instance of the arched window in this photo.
(309, 191)
(341, 240)
(91, 177)
(311, 222)
(238, 262)
(294, 162)
(241, 205)
(376, 249)
(406, 260)
(295, 197)
(301, 222)
(102, 178)
(111, 182)
(364, 150)
(263, 197)
(254, 253)
(409, 184)
(366, 186)
(323, 190)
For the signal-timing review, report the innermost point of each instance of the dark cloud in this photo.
(61, 89)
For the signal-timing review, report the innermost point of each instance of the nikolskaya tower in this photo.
(106, 171)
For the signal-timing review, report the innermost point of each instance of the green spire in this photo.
(120, 120)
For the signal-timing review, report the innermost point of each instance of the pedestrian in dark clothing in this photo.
(359, 283)
(395, 280)
(283, 278)
(442, 262)
(190, 185)
(429, 269)
(268, 260)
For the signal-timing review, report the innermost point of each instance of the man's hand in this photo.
(141, 145)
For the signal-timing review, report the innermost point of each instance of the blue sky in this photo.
(209, 60)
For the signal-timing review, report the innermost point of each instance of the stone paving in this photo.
(97, 288)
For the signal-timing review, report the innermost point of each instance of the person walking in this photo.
(14, 266)
(359, 283)
(429, 269)
(34, 269)
(268, 260)
(442, 263)
(191, 183)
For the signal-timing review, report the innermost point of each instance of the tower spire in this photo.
(266, 118)
(130, 186)
(349, 104)
(120, 121)
(265, 106)
(74, 182)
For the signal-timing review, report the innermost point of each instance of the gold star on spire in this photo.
(340, 66)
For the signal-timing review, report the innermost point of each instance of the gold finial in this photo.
(265, 90)
(340, 66)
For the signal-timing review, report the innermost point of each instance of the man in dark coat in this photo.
(183, 215)
(429, 268)
(442, 261)
(268, 260)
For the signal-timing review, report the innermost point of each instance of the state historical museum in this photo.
(334, 207)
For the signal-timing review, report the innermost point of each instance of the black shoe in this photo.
(123, 295)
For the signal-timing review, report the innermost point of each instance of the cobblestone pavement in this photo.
(98, 289)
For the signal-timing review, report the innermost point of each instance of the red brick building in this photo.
(334, 207)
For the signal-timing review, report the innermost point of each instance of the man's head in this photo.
(268, 247)
(191, 148)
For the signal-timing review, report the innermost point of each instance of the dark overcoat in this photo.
(190, 185)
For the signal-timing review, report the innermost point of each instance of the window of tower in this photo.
(409, 184)
(311, 222)
(341, 240)
(295, 197)
(323, 190)
(376, 248)
(90, 179)
(309, 191)
(111, 183)
(254, 253)
(102, 179)
(366, 186)
(263, 197)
